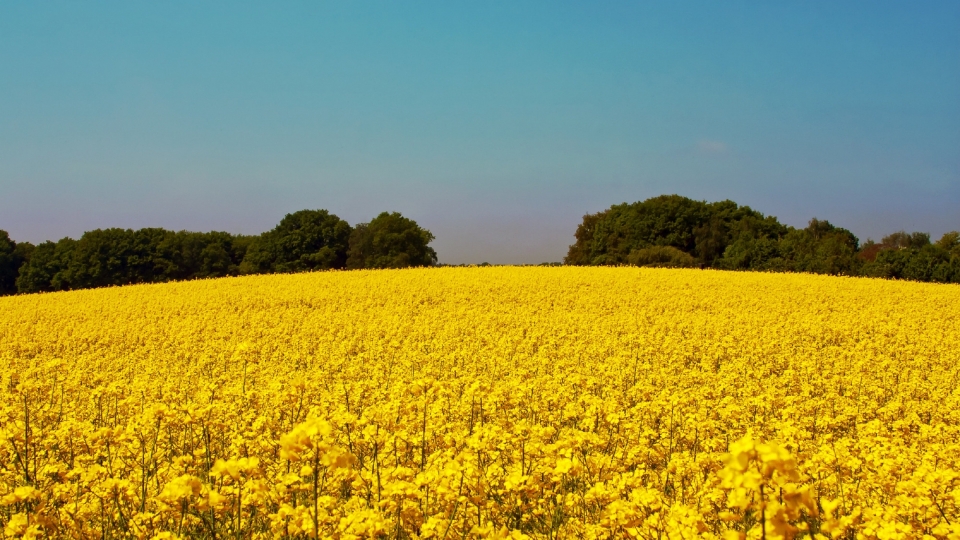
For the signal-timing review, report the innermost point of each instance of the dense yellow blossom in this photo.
(484, 402)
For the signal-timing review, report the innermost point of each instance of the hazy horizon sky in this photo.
(495, 125)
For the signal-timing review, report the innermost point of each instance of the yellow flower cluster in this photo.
(484, 403)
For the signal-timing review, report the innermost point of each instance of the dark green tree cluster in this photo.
(12, 257)
(675, 231)
(913, 256)
(105, 257)
(697, 233)
(390, 241)
(303, 241)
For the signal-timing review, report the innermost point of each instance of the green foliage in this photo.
(724, 235)
(950, 242)
(47, 268)
(912, 256)
(189, 255)
(821, 248)
(302, 241)
(12, 257)
(750, 253)
(700, 229)
(928, 263)
(903, 240)
(584, 251)
(390, 241)
(305, 240)
(106, 257)
(661, 256)
(669, 230)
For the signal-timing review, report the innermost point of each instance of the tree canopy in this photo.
(303, 241)
(11, 258)
(105, 257)
(666, 231)
(671, 230)
(702, 230)
(390, 241)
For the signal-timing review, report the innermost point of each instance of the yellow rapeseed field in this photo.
(484, 402)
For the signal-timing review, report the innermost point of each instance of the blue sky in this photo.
(496, 125)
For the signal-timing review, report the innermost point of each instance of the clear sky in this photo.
(496, 125)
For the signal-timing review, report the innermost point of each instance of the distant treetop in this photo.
(302, 241)
(676, 231)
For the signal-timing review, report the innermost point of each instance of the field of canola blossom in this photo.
(483, 403)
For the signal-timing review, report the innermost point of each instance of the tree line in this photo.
(666, 231)
(302, 241)
(676, 231)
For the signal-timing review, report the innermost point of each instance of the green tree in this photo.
(700, 229)
(48, 267)
(12, 257)
(105, 257)
(581, 252)
(304, 240)
(748, 252)
(190, 255)
(950, 242)
(929, 262)
(661, 256)
(912, 256)
(668, 220)
(903, 240)
(820, 248)
(947, 271)
(390, 241)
